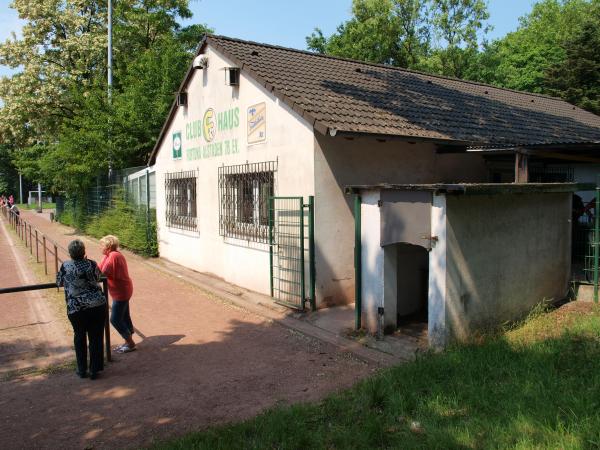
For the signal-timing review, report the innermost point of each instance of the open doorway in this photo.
(413, 281)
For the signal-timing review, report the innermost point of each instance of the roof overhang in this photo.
(476, 188)
(445, 145)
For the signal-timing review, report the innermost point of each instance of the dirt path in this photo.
(31, 333)
(202, 362)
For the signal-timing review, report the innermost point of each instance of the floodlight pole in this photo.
(110, 83)
(110, 75)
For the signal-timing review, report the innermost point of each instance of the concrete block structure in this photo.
(470, 257)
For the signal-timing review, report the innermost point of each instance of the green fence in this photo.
(586, 240)
(114, 206)
(291, 251)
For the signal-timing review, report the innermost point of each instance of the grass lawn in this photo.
(535, 386)
(45, 205)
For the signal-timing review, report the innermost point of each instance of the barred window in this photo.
(244, 191)
(180, 192)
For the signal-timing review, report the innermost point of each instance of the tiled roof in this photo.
(344, 96)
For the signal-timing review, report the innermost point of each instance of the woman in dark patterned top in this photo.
(86, 307)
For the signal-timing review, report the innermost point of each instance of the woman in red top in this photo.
(114, 267)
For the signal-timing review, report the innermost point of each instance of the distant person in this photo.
(13, 209)
(578, 208)
(11, 200)
(86, 308)
(114, 266)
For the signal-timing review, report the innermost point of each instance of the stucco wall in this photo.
(363, 160)
(289, 140)
(504, 254)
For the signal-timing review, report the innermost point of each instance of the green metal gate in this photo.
(288, 245)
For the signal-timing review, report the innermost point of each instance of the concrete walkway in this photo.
(202, 360)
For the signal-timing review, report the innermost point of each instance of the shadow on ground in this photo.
(172, 385)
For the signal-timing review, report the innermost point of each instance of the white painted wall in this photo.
(437, 332)
(288, 139)
(372, 260)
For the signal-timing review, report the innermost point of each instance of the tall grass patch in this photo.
(535, 386)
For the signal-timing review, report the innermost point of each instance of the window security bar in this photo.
(180, 193)
(244, 192)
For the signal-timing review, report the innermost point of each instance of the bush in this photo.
(71, 212)
(125, 220)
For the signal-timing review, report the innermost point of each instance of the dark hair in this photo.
(76, 249)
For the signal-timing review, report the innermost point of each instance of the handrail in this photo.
(25, 229)
(18, 223)
(18, 217)
(30, 287)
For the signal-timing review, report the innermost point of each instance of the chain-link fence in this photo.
(122, 203)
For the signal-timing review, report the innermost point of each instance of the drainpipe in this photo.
(357, 263)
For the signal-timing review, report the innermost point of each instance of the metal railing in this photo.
(586, 241)
(35, 287)
(26, 232)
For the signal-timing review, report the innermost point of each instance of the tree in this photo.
(383, 31)
(60, 52)
(400, 33)
(79, 132)
(577, 77)
(522, 58)
(8, 174)
(457, 24)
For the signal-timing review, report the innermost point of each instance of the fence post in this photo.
(302, 271)
(45, 257)
(596, 238)
(106, 321)
(271, 222)
(30, 241)
(311, 251)
(148, 211)
(37, 248)
(55, 259)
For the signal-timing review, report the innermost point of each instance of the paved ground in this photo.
(31, 333)
(202, 362)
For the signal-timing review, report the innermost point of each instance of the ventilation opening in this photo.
(232, 76)
(182, 99)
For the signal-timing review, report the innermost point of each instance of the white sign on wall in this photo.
(257, 123)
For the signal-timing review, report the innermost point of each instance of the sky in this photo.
(282, 22)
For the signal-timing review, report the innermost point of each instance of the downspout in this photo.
(357, 263)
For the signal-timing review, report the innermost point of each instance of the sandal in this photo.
(125, 348)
